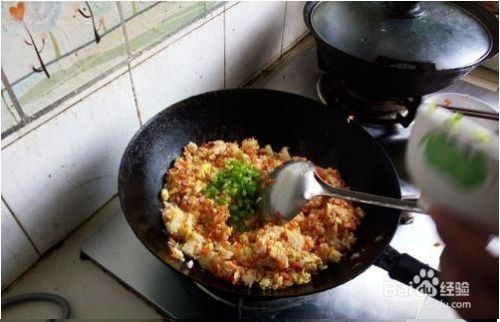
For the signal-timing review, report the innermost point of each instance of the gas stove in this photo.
(365, 109)
(116, 249)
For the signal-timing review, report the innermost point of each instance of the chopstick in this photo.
(472, 113)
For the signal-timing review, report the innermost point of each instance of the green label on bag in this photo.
(443, 153)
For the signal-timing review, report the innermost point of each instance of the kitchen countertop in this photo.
(93, 293)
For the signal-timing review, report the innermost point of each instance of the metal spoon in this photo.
(294, 183)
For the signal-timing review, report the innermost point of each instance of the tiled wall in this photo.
(112, 66)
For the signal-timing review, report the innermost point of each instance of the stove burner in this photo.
(245, 305)
(333, 91)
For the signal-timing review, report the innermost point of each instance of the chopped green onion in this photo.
(238, 186)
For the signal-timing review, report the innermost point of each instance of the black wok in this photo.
(400, 78)
(281, 119)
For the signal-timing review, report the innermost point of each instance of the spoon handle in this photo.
(368, 198)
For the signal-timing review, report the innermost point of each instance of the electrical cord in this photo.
(47, 297)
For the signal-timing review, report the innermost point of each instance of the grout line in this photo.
(283, 29)
(55, 104)
(11, 130)
(224, 40)
(89, 84)
(296, 41)
(21, 226)
(124, 28)
(129, 56)
(11, 113)
(276, 62)
(89, 218)
(272, 61)
(235, 4)
(61, 100)
(89, 43)
(13, 98)
(57, 244)
(136, 102)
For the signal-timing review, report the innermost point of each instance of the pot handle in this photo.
(308, 7)
(403, 64)
(405, 269)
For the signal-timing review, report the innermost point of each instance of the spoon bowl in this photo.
(289, 187)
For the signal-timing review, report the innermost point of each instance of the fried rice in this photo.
(273, 255)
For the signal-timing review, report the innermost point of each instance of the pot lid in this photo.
(441, 33)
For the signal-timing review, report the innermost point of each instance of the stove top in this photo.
(116, 249)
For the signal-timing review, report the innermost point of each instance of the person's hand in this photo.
(465, 259)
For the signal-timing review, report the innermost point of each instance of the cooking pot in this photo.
(401, 49)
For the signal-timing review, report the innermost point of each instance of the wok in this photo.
(401, 78)
(309, 129)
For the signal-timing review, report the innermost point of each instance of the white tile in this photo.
(432, 310)
(78, 96)
(17, 252)
(295, 27)
(429, 247)
(169, 35)
(254, 33)
(193, 64)
(91, 292)
(164, 20)
(61, 172)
